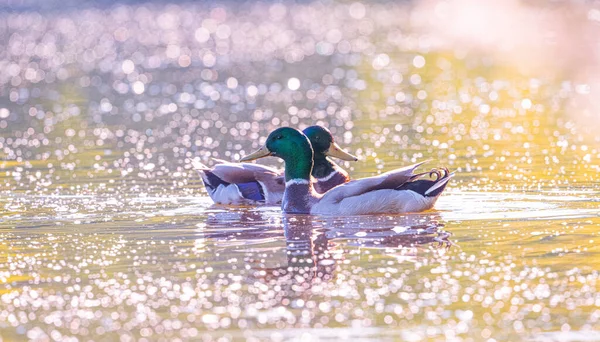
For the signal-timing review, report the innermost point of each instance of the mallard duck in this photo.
(396, 191)
(327, 174)
(246, 183)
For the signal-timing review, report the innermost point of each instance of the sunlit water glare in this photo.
(107, 233)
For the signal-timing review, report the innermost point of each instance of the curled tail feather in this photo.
(439, 185)
(427, 187)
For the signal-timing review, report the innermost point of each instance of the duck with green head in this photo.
(327, 174)
(396, 191)
(251, 184)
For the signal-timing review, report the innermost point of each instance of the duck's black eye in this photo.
(278, 137)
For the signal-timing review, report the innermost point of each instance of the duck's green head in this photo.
(293, 147)
(323, 144)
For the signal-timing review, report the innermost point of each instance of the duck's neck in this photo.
(322, 167)
(327, 174)
(299, 165)
(299, 192)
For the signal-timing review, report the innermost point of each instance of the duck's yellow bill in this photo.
(336, 151)
(262, 152)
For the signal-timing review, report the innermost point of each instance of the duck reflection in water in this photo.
(241, 227)
(310, 254)
(315, 246)
(314, 251)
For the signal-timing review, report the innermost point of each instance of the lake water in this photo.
(106, 233)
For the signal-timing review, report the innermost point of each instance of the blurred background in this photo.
(119, 95)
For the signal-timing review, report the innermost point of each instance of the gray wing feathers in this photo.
(238, 172)
(388, 180)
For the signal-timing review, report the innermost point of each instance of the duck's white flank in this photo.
(228, 194)
(385, 201)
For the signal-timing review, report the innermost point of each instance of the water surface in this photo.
(106, 232)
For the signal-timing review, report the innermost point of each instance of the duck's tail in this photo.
(211, 181)
(438, 187)
(198, 166)
(427, 187)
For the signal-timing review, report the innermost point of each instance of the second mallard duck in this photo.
(396, 191)
(327, 174)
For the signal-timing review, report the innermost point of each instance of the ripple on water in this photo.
(467, 206)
